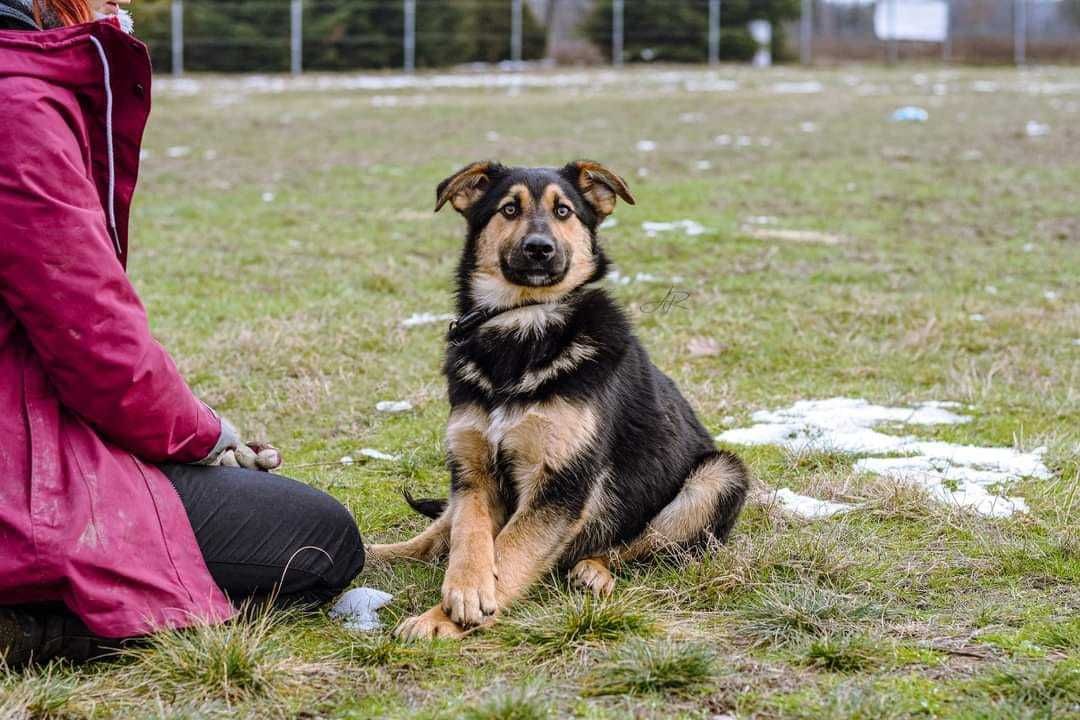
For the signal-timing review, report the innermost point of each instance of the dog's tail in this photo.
(430, 507)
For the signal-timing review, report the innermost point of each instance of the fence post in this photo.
(617, 33)
(177, 18)
(714, 32)
(894, 49)
(806, 32)
(1020, 31)
(296, 36)
(946, 46)
(410, 36)
(515, 31)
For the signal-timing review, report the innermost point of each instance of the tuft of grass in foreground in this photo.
(843, 654)
(46, 694)
(786, 614)
(523, 703)
(556, 627)
(246, 660)
(641, 668)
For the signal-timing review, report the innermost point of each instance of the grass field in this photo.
(282, 233)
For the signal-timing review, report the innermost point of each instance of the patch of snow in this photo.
(689, 227)
(358, 609)
(268, 197)
(722, 140)
(346, 460)
(977, 317)
(645, 145)
(691, 118)
(1028, 247)
(393, 406)
(991, 290)
(808, 507)
(609, 222)
(378, 455)
(984, 86)
(1050, 295)
(959, 474)
(799, 236)
(797, 88)
(1035, 129)
(808, 127)
(702, 165)
(178, 151)
(910, 113)
(698, 86)
(426, 318)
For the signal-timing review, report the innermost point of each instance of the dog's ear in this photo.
(467, 185)
(598, 185)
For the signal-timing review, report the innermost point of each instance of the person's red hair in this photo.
(68, 12)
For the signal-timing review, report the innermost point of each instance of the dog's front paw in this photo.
(593, 574)
(468, 596)
(429, 625)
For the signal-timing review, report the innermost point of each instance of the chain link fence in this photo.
(335, 35)
(972, 31)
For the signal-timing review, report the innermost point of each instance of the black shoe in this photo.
(38, 636)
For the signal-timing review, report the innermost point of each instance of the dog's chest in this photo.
(526, 440)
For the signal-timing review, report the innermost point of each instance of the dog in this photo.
(567, 447)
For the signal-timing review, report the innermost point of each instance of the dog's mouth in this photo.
(534, 275)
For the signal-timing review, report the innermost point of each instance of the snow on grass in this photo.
(426, 318)
(807, 507)
(393, 406)
(963, 475)
(689, 227)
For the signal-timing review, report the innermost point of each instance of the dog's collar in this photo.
(465, 325)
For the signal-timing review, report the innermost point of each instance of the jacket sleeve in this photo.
(60, 276)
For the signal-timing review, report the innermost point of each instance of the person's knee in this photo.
(344, 536)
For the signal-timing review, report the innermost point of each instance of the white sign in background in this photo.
(922, 20)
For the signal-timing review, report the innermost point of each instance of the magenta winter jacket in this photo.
(88, 399)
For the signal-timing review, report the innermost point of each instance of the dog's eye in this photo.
(562, 212)
(509, 210)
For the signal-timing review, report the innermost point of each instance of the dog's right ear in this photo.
(467, 185)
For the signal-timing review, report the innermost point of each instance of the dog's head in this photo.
(532, 231)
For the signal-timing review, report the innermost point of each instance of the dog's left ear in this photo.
(467, 185)
(598, 185)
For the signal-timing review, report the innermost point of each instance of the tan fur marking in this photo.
(527, 548)
(690, 513)
(465, 187)
(599, 186)
(467, 443)
(432, 624)
(593, 574)
(469, 585)
(544, 438)
(501, 232)
(428, 546)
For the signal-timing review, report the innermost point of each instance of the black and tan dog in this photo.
(567, 446)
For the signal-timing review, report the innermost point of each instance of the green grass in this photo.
(285, 315)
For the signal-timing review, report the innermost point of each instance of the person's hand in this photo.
(253, 456)
(231, 451)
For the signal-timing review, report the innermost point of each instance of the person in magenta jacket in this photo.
(119, 511)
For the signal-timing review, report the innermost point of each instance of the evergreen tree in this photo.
(678, 30)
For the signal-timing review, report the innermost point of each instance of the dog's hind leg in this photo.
(705, 508)
(593, 574)
(428, 546)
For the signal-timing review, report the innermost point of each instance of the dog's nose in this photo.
(538, 247)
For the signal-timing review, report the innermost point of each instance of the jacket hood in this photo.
(102, 77)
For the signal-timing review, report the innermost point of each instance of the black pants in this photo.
(266, 536)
